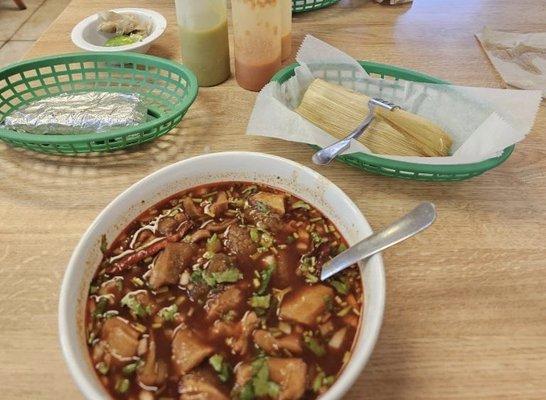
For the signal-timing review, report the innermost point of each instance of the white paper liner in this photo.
(481, 121)
(520, 58)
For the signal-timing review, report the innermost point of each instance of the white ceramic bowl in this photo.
(87, 37)
(217, 167)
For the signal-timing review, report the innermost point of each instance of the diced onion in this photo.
(337, 340)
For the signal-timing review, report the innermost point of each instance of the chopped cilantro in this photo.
(261, 207)
(340, 286)
(102, 303)
(314, 345)
(222, 368)
(265, 278)
(321, 380)
(197, 276)
(344, 311)
(308, 269)
(317, 239)
(262, 302)
(102, 367)
(208, 255)
(137, 309)
(229, 316)
(103, 244)
(130, 369)
(329, 380)
(267, 240)
(247, 392)
(317, 382)
(254, 235)
(168, 313)
(213, 244)
(122, 385)
(230, 275)
(341, 248)
(259, 384)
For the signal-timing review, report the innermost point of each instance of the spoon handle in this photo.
(412, 223)
(326, 155)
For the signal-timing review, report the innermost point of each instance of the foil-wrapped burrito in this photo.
(393, 2)
(86, 112)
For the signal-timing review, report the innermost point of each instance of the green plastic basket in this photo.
(167, 89)
(309, 5)
(402, 169)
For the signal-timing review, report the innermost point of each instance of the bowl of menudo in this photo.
(201, 281)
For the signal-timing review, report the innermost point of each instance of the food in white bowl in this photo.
(121, 29)
(194, 316)
(124, 28)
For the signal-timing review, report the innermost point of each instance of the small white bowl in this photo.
(87, 37)
(230, 166)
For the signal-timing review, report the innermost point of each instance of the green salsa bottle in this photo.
(204, 39)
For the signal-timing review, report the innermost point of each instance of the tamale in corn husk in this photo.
(339, 111)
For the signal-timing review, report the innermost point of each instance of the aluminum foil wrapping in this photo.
(393, 2)
(70, 113)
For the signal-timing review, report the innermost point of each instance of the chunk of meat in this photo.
(153, 372)
(230, 298)
(239, 242)
(220, 206)
(170, 263)
(263, 219)
(290, 374)
(112, 289)
(151, 250)
(273, 201)
(287, 263)
(167, 225)
(120, 337)
(303, 244)
(219, 262)
(249, 322)
(306, 304)
(146, 300)
(240, 331)
(199, 235)
(327, 328)
(243, 373)
(351, 320)
(201, 385)
(220, 226)
(274, 346)
(188, 350)
(100, 353)
(198, 291)
(191, 209)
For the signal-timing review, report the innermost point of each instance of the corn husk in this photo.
(339, 111)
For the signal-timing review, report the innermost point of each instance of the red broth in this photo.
(214, 294)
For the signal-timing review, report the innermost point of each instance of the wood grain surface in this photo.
(466, 301)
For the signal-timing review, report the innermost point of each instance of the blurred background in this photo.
(20, 28)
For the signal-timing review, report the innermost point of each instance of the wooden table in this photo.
(466, 302)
